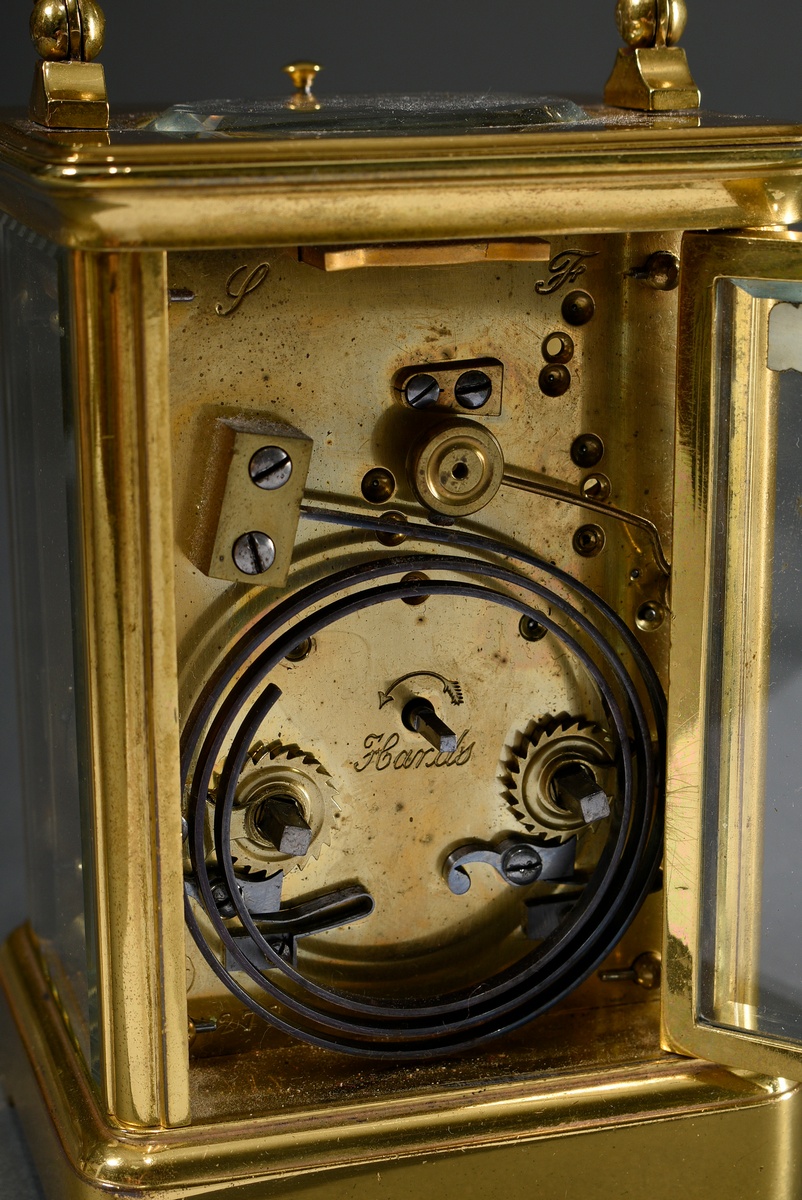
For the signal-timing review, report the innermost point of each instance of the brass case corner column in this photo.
(120, 350)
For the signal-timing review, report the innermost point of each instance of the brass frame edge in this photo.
(173, 1164)
(269, 193)
(118, 322)
(746, 659)
(706, 259)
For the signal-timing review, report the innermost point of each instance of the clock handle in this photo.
(651, 72)
(69, 89)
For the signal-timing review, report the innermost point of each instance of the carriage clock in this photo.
(406, 534)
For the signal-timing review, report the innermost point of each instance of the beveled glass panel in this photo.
(751, 976)
(379, 116)
(46, 586)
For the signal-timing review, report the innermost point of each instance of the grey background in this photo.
(745, 57)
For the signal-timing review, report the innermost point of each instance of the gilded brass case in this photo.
(585, 1094)
(69, 90)
(70, 95)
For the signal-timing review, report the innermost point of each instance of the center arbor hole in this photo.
(460, 470)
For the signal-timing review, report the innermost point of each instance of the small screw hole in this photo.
(596, 487)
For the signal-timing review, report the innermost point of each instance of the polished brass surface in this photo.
(69, 92)
(652, 80)
(651, 22)
(333, 368)
(50, 30)
(70, 95)
(652, 73)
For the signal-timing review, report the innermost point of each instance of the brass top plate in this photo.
(134, 188)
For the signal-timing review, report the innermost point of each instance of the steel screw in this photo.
(301, 651)
(661, 271)
(422, 391)
(223, 901)
(531, 630)
(521, 865)
(596, 487)
(645, 971)
(650, 616)
(589, 541)
(578, 308)
(378, 485)
(392, 539)
(415, 577)
(270, 468)
(254, 553)
(587, 450)
(473, 389)
(555, 380)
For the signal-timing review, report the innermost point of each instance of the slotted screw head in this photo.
(270, 468)
(473, 389)
(422, 391)
(254, 553)
(521, 865)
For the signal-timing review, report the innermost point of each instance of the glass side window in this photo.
(752, 932)
(40, 474)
